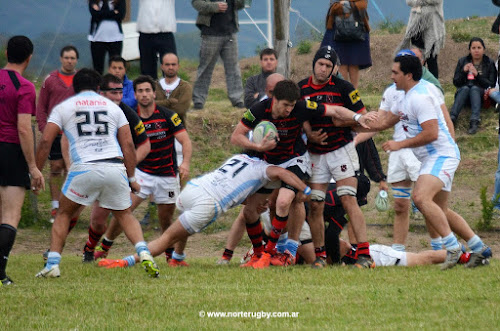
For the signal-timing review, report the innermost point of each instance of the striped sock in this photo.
(53, 259)
(140, 247)
(254, 231)
(178, 257)
(130, 260)
(278, 223)
(399, 247)
(106, 244)
(451, 242)
(168, 253)
(437, 243)
(228, 254)
(292, 246)
(475, 244)
(363, 249)
(93, 240)
(320, 252)
(281, 245)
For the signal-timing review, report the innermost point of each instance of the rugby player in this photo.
(103, 157)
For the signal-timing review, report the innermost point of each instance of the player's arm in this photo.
(277, 173)
(129, 158)
(385, 120)
(142, 151)
(27, 145)
(65, 151)
(318, 137)
(344, 114)
(448, 121)
(42, 111)
(429, 133)
(240, 138)
(187, 150)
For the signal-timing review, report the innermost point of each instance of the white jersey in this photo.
(420, 104)
(392, 99)
(238, 178)
(91, 123)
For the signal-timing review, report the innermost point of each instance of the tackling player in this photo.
(206, 197)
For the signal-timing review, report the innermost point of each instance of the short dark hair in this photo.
(286, 90)
(69, 48)
(117, 58)
(86, 79)
(144, 79)
(473, 39)
(19, 49)
(107, 79)
(410, 64)
(268, 51)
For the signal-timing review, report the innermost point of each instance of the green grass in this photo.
(87, 297)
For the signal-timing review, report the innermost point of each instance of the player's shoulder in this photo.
(170, 115)
(304, 83)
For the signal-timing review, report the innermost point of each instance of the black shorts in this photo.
(55, 149)
(13, 167)
(299, 173)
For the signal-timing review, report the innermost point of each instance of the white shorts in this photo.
(403, 165)
(442, 167)
(305, 232)
(385, 256)
(303, 162)
(198, 208)
(339, 164)
(105, 182)
(163, 190)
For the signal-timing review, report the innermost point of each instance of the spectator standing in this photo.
(156, 25)
(118, 67)
(426, 30)
(172, 92)
(474, 73)
(218, 22)
(106, 34)
(17, 155)
(353, 55)
(57, 87)
(255, 88)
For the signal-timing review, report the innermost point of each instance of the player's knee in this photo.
(283, 203)
(346, 191)
(317, 197)
(401, 205)
(418, 198)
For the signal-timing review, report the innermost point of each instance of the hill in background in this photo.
(53, 24)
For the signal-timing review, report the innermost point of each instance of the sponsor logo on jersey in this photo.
(311, 104)
(343, 168)
(354, 95)
(139, 128)
(171, 194)
(176, 119)
(249, 116)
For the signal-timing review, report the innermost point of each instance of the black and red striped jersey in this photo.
(336, 92)
(161, 128)
(290, 142)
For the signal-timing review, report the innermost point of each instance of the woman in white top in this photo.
(106, 34)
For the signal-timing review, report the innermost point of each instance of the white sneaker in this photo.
(53, 272)
(148, 263)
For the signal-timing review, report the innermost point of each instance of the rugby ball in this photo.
(262, 129)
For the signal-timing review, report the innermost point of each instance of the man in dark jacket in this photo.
(255, 88)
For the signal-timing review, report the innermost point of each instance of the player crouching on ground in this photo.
(208, 196)
(102, 156)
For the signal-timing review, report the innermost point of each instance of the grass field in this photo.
(88, 297)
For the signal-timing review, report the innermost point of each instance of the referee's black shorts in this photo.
(13, 167)
(55, 149)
